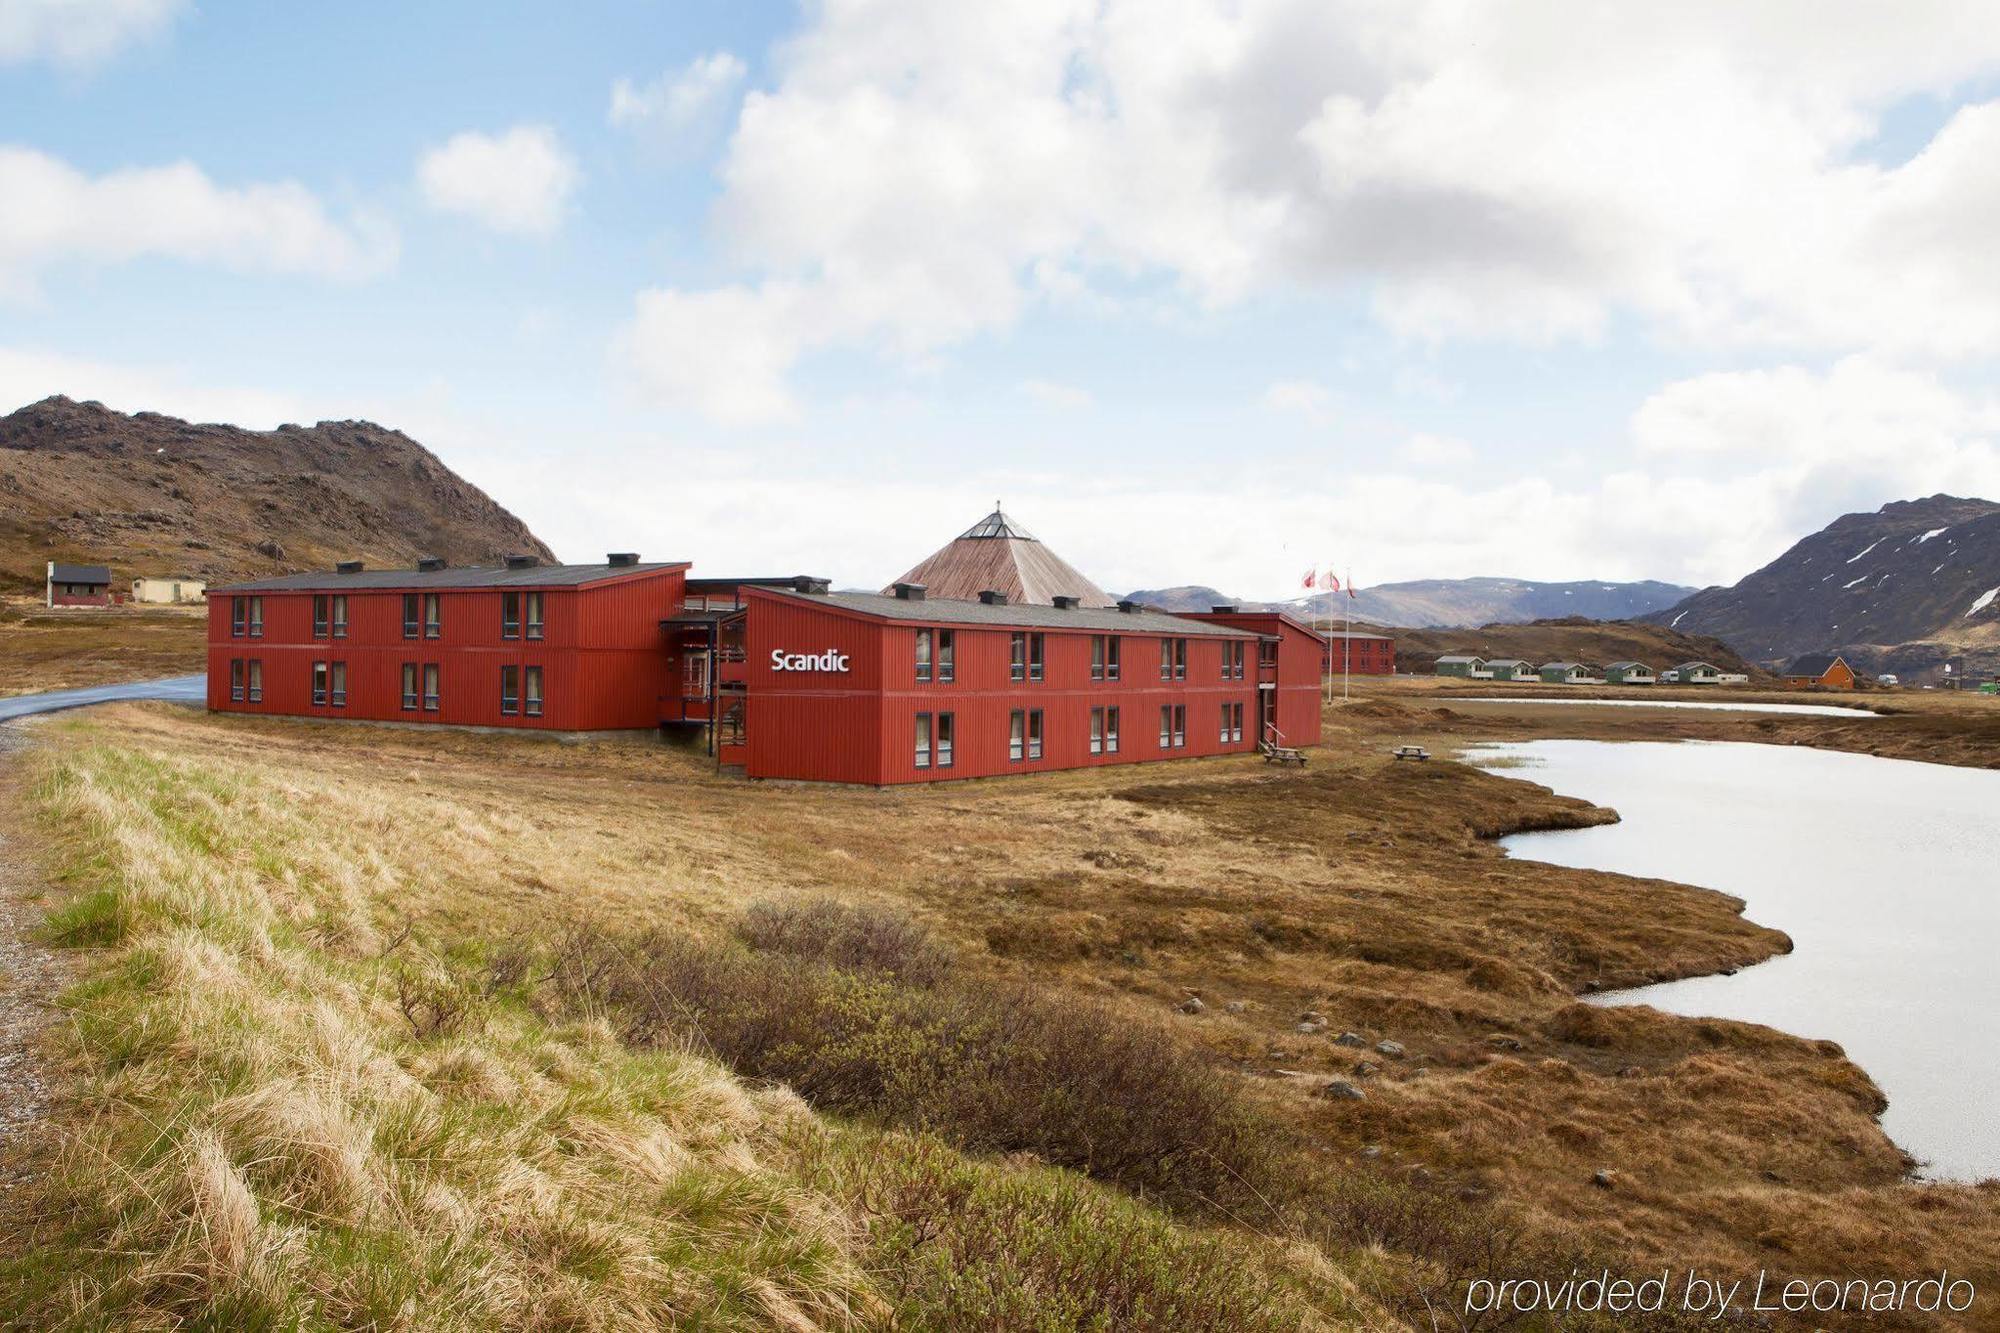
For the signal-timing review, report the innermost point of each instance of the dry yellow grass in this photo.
(1360, 889)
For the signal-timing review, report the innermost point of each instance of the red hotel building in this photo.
(787, 679)
(1359, 653)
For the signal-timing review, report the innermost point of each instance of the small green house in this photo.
(1463, 666)
(1511, 668)
(1628, 673)
(1566, 673)
(1693, 673)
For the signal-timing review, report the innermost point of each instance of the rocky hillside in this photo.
(1478, 601)
(1570, 639)
(151, 494)
(1905, 589)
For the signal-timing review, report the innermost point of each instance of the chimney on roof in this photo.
(622, 559)
(1223, 609)
(910, 592)
(806, 583)
(522, 562)
(430, 564)
(349, 567)
(1064, 602)
(993, 597)
(1129, 607)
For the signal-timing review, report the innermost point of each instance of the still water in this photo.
(1885, 873)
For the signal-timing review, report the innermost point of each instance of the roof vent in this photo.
(910, 592)
(349, 567)
(430, 564)
(1130, 607)
(806, 583)
(522, 562)
(1223, 609)
(1064, 602)
(622, 559)
(993, 597)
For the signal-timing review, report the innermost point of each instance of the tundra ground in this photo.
(284, 875)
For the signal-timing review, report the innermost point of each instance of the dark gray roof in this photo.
(1508, 661)
(1560, 666)
(1461, 657)
(1626, 666)
(1812, 664)
(81, 574)
(949, 611)
(1697, 666)
(467, 576)
(1346, 634)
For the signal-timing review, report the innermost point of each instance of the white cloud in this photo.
(1522, 171)
(1304, 398)
(79, 32)
(1435, 451)
(1050, 393)
(50, 212)
(725, 353)
(518, 181)
(681, 106)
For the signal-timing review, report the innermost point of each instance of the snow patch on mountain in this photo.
(1864, 550)
(1934, 532)
(1985, 600)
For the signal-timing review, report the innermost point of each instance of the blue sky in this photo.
(1205, 292)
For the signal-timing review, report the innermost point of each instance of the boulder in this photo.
(1354, 1039)
(1393, 1049)
(1342, 1091)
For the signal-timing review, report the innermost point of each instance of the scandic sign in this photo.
(826, 661)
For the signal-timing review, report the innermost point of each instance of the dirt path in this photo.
(30, 978)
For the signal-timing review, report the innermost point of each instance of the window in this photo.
(1017, 657)
(1180, 659)
(410, 682)
(1034, 657)
(430, 687)
(1180, 725)
(924, 738)
(1225, 724)
(319, 685)
(239, 611)
(236, 680)
(1236, 722)
(534, 615)
(1035, 731)
(1017, 732)
(339, 697)
(1111, 728)
(510, 689)
(340, 616)
(533, 702)
(409, 615)
(433, 616)
(256, 617)
(256, 681)
(944, 730)
(1097, 731)
(1166, 726)
(510, 615)
(924, 663)
(1232, 659)
(1104, 657)
(1173, 659)
(947, 658)
(319, 615)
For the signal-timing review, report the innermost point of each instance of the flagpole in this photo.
(1347, 640)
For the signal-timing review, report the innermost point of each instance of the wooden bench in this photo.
(1410, 752)
(1284, 754)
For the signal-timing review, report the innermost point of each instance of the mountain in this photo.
(1456, 602)
(1905, 589)
(152, 494)
(1569, 639)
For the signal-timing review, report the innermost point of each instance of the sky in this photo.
(1206, 291)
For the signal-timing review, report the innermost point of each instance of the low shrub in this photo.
(843, 935)
(988, 1067)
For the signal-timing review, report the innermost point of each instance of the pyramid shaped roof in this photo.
(999, 554)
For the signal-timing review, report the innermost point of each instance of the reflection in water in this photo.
(1885, 873)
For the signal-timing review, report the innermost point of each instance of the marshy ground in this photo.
(341, 949)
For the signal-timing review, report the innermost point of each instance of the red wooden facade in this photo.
(793, 683)
(598, 659)
(1360, 653)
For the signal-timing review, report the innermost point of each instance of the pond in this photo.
(1885, 873)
